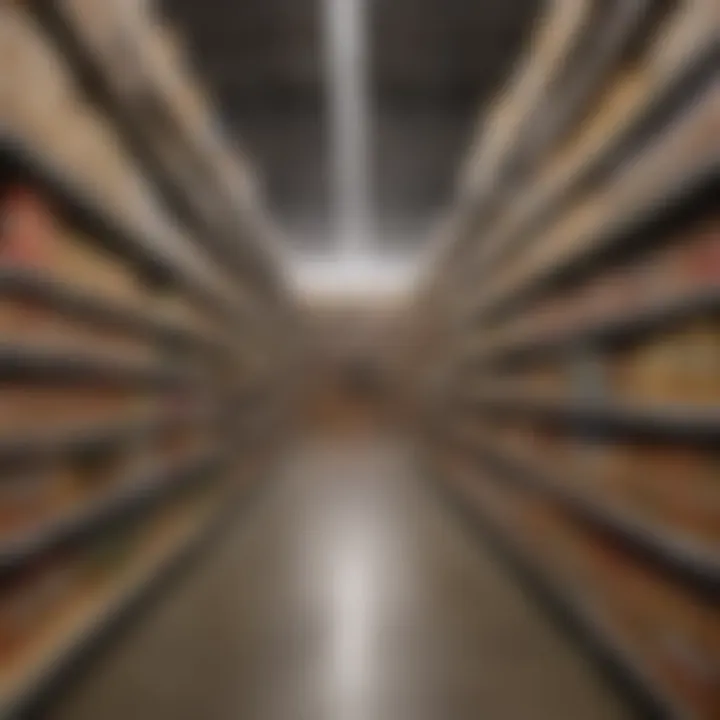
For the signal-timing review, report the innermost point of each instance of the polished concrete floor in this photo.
(347, 592)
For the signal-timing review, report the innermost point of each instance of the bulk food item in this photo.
(681, 367)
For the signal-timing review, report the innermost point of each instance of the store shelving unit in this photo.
(134, 494)
(689, 78)
(20, 164)
(679, 60)
(157, 419)
(660, 190)
(690, 423)
(556, 299)
(619, 660)
(35, 448)
(78, 633)
(527, 346)
(234, 244)
(18, 364)
(688, 559)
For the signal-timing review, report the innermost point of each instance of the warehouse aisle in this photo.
(348, 592)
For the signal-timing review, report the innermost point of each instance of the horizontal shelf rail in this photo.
(687, 560)
(598, 332)
(25, 363)
(669, 422)
(135, 494)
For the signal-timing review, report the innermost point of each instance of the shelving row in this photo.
(166, 124)
(631, 627)
(664, 56)
(141, 373)
(158, 260)
(679, 163)
(674, 284)
(600, 483)
(81, 591)
(573, 359)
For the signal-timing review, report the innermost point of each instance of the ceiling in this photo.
(433, 63)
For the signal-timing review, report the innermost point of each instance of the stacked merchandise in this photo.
(125, 355)
(579, 401)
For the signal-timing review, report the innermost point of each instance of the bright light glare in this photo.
(360, 277)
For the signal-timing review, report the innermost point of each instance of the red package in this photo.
(27, 230)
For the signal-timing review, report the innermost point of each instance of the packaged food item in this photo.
(27, 231)
(682, 367)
